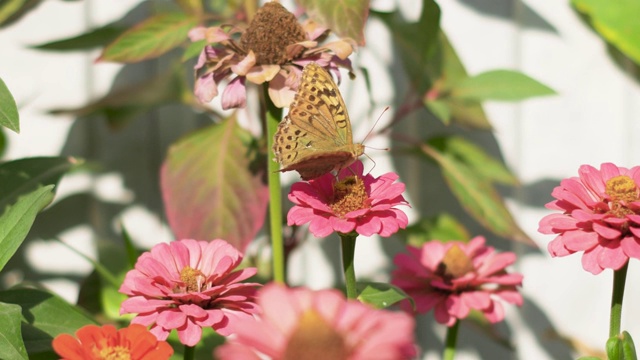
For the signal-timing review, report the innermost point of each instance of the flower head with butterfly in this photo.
(273, 48)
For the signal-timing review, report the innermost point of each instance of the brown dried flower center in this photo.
(349, 194)
(192, 278)
(315, 339)
(112, 353)
(269, 34)
(621, 190)
(456, 263)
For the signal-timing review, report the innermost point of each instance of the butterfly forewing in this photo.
(315, 137)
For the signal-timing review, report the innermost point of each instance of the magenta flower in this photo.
(274, 48)
(186, 285)
(454, 277)
(600, 215)
(305, 324)
(353, 202)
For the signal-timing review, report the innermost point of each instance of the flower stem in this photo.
(450, 341)
(189, 353)
(348, 242)
(273, 116)
(619, 278)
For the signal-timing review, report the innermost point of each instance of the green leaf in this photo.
(475, 158)
(124, 104)
(3, 142)
(16, 221)
(616, 21)
(440, 109)
(22, 176)
(346, 17)
(44, 316)
(191, 6)
(9, 117)
(150, 39)
(443, 227)
(477, 196)
(194, 49)
(213, 186)
(12, 10)
(505, 85)
(589, 358)
(416, 42)
(11, 344)
(97, 37)
(380, 295)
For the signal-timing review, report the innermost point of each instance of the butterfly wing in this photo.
(315, 137)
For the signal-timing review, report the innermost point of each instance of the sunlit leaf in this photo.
(442, 227)
(11, 344)
(380, 295)
(191, 6)
(344, 17)
(194, 49)
(12, 10)
(9, 117)
(213, 188)
(44, 316)
(502, 85)
(477, 196)
(149, 39)
(617, 22)
(97, 37)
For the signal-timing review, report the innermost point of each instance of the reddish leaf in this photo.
(149, 39)
(344, 17)
(208, 188)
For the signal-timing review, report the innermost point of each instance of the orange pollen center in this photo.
(456, 263)
(621, 190)
(192, 278)
(113, 353)
(349, 194)
(315, 339)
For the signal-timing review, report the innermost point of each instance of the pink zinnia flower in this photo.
(274, 48)
(186, 285)
(94, 342)
(455, 277)
(352, 202)
(304, 324)
(600, 215)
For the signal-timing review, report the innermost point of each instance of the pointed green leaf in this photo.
(616, 21)
(194, 49)
(11, 344)
(97, 37)
(44, 316)
(3, 142)
(150, 39)
(16, 221)
(212, 188)
(345, 17)
(380, 295)
(443, 227)
(12, 10)
(9, 117)
(440, 109)
(478, 197)
(505, 85)
(475, 158)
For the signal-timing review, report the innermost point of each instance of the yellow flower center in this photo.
(193, 279)
(349, 194)
(269, 34)
(315, 339)
(113, 353)
(456, 263)
(621, 190)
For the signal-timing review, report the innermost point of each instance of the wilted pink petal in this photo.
(598, 216)
(235, 94)
(206, 88)
(305, 324)
(454, 277)
(195, 285)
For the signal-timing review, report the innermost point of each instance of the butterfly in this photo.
(315, 137)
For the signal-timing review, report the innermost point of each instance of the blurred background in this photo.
(592, 119)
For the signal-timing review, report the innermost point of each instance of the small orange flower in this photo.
(101, 343)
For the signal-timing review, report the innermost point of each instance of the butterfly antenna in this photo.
(373, 161)
(374, 125)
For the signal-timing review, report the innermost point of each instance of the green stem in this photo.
(273, 116)
(348, 242)
(450, 341)
(619, 278)
(189, 353)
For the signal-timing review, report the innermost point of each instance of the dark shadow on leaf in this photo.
(506, 9)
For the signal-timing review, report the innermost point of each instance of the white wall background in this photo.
(542, 140)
